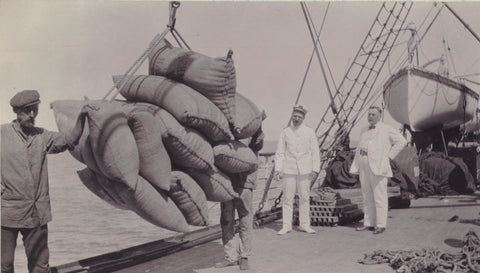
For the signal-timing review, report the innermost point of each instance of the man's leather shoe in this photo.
(225, 263)
(244, 263)
(364, 228)
(283, 231)
(379, 230)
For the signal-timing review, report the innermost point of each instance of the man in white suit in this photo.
(378, 143)
(297, 163)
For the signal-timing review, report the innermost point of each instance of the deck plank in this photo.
(337, 249)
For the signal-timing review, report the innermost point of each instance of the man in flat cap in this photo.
(24, 180)
(297, 163)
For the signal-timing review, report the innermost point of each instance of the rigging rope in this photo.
(360, 77)
(460, 19)
(311, 57)
(156, 40)
(473, 65)
(303, 5)
(315, 50)
(319, 42)
(430, 25)
(474, 82)
(372, 69)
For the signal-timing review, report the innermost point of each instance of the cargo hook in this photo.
(173, 11)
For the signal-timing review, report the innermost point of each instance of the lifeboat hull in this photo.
(425, 100)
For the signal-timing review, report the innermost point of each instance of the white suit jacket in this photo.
(386, 143)
(297, 151)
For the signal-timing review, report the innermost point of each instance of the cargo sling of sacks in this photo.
(157, 40)
(157, 46)
(119, 195)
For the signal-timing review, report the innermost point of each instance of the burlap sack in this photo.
(152, 205)
(215, 78)
(186, 147)
(65, 113)
(188, 106)
(214, 183)
(155, 164)
(102, 188)
(190, 198)
(248, 117)
(113, 144)
(235, 157)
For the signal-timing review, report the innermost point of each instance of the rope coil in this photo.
(431, 259)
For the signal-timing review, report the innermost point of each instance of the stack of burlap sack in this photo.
(167, 149)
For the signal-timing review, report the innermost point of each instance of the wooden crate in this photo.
(355, 195)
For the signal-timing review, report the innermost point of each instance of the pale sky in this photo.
(70, 49)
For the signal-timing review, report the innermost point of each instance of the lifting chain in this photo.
(277, 201)
(265, 192)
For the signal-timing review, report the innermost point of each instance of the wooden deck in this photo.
(337, 249)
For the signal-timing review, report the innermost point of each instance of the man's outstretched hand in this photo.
(90, 107)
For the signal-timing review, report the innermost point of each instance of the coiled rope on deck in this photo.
(431, 259)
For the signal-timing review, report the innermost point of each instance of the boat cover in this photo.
(444, 175)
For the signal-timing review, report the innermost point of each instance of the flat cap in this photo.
(300, 108)
(25, 98)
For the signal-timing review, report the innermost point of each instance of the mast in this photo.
(463, 22)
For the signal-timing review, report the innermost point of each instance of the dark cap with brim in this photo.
(25, 98)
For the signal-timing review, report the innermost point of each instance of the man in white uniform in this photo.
(378, 144)
(297, 163)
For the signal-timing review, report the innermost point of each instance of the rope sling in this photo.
(173, 6)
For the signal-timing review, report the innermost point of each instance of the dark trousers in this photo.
(35, 241)
(236, 247)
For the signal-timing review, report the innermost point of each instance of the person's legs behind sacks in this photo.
(229, 240)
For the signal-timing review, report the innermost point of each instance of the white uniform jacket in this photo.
(297, 151)
(381, 143)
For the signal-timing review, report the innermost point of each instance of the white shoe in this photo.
(308, 230)
(283, 231)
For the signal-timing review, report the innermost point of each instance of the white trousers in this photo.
(292, 183)
(375, 195)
